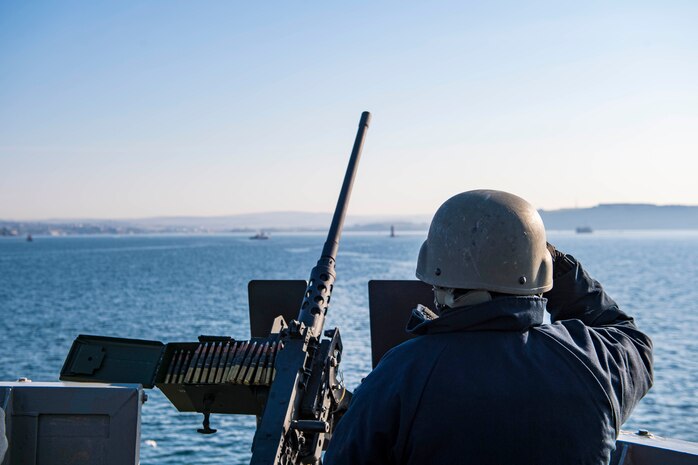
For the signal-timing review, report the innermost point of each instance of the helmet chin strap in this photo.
(445, 298)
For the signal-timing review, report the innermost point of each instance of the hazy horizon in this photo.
(353, 216)
(138, 110)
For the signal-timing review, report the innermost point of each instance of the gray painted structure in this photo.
(71, 423)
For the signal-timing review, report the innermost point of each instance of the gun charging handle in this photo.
(311, 426)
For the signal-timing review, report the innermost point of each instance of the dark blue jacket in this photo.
(490, 384)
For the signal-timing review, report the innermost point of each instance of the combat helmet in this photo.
(487, 239)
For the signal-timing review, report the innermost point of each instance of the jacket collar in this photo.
(514, 313)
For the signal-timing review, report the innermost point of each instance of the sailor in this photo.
(485, 381)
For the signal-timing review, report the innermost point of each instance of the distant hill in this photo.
(274, 221)
(623, 216)
(270, 222)
(604, 216)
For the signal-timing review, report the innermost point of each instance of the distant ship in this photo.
(29, 238)
(392, 231)
(584, 230)
(260, 236)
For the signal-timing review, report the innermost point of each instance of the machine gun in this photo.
(306, 394)
(288, 378)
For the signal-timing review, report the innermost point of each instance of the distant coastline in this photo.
(600, 217)
(623, 217)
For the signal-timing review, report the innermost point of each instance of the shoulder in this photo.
(622, 336)
(401, 367)
(414, 352)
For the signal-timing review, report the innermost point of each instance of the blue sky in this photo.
(134, 109)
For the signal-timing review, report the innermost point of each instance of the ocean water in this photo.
(173, 288)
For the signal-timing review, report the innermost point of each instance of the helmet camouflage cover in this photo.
(487, 239)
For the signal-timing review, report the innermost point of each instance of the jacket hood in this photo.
(516, 313)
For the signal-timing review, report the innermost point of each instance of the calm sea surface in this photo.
(173, 288)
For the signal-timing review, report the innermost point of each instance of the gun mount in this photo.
(288, 377)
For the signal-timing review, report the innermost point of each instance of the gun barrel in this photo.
(335, 232)
(317, 296)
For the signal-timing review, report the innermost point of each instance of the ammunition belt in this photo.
(234, 362)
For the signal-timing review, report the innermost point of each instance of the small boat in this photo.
(260, 236)
(29, 238)
(392, 231)
(584, 230)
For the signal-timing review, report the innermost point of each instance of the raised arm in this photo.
(619, 354)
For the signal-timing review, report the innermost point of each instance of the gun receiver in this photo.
(305, 395)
